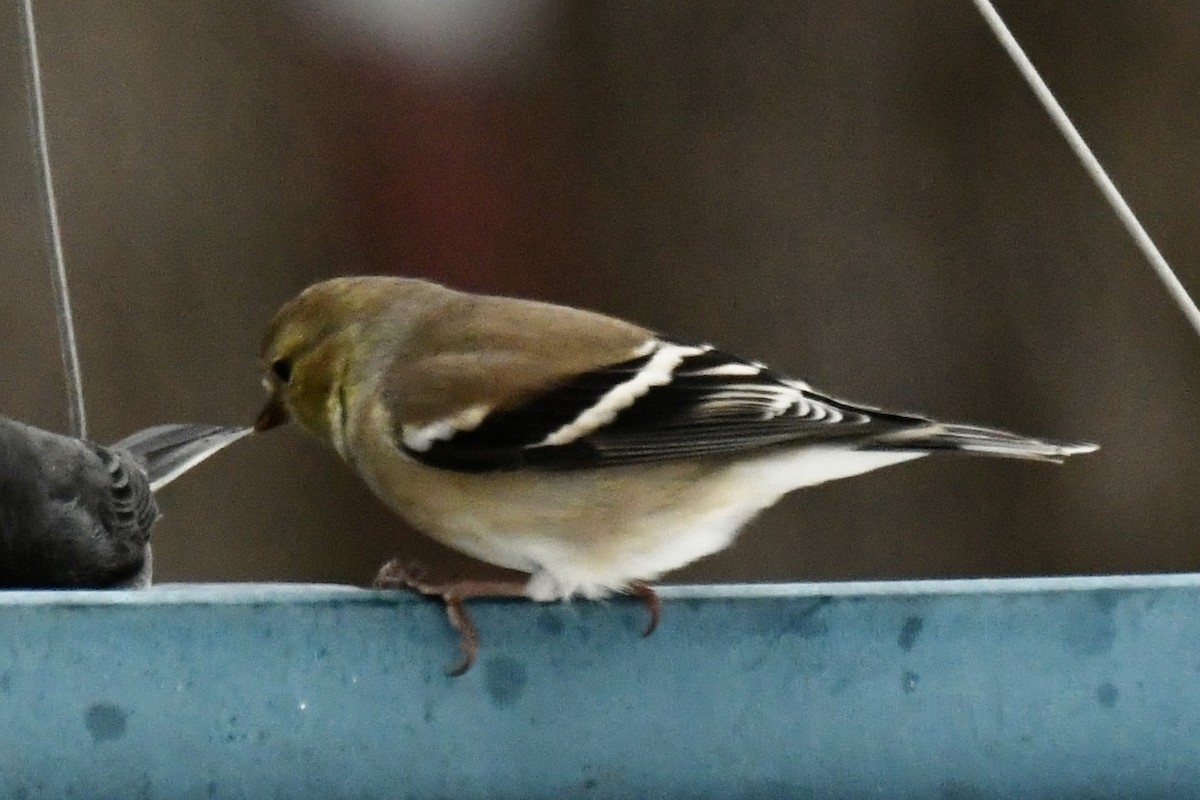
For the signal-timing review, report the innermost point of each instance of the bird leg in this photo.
(395, 575)
(645, 592)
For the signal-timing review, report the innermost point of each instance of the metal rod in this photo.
(58, 270)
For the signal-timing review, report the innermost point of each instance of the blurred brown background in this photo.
(862, 194)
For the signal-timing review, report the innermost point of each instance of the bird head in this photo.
(324, 344)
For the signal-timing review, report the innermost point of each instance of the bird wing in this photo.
(165, 452)
(671, 400)
(121, 494)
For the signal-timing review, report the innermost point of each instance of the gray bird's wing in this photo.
(167, 451)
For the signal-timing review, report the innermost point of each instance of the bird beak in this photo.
(274, 413)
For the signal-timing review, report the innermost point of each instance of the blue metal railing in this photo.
(1068, 687)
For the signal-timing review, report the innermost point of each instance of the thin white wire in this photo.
(1107, 188)
(58, 272)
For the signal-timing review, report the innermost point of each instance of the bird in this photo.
(78, 515)
(592, 453)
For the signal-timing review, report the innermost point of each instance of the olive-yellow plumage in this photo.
(582, 449)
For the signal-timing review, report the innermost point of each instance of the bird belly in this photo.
(703, 522)
(586, 532)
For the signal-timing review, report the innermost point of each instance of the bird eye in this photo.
(282, 368)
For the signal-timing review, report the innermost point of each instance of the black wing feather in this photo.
(706, 409)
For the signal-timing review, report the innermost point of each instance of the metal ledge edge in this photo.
(993, 688)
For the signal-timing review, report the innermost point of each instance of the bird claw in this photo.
(645, 592)
(468, 637)
(396, 574)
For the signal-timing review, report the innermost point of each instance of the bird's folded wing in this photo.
(167, 451)
(121, 496)
(672, 400)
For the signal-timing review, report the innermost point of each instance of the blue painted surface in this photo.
(1053, 688)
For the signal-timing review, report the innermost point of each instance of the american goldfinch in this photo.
(590, 452)
(77, 515)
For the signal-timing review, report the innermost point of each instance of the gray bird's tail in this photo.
(980, 441)
(168, 451)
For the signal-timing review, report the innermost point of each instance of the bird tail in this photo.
(980, 441)
(167, 451)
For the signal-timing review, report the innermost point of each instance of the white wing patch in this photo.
(776, 397)
(733, 368)
(667, 400)
(658, 371)
(645, 348)
(421, 437)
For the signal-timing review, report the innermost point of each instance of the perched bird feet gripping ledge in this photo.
(645, 592)
(396, 574)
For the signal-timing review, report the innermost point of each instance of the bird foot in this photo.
(396, 575)
(645, 592)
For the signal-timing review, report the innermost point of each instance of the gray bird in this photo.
(78, 515)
